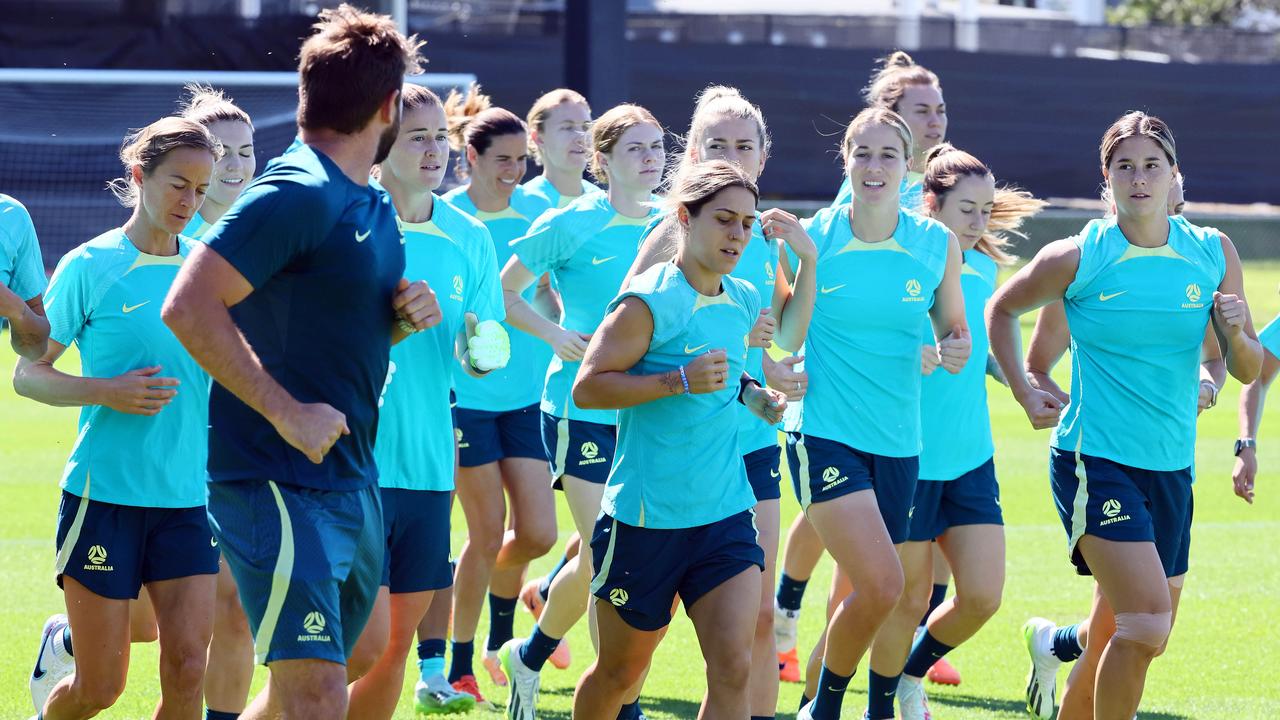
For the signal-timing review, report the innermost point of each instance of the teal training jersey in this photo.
(541, 190)
(954, 420)
(196, 227)
(21, 268)
(588, 247)
(1138, 318)
(757, 266)
(106, 297)
(678, 463)
(454, 254)
(519, 384)
(863, 349)
(911, 192)
(1270, 337)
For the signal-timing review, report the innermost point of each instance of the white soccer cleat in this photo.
(435, 696)
(805, 712)
(1042, 679)
(912, 702)
(489, 347)
(785, 629)
(53, 662)
(522, 698)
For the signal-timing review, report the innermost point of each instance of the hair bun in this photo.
(897, 59)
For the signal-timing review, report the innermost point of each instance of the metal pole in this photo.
(595, 50)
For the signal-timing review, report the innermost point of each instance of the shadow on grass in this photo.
(676, 707)
(991, 707)
(1003, 707)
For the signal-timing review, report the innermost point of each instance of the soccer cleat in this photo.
(532, 598)
(435, 696)
(493, 666)
(785, 631)
(912, 702)
(522, 697)
(53, 662)
(467, 684)
(789, 667)
(943, 673)
(806, 713)
(1042, 680)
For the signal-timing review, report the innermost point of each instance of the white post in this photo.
(967, 26)
(909, 23)
(251, 9)
(400, 13)
(1089, 12)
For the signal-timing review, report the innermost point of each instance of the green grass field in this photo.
(1218, 664)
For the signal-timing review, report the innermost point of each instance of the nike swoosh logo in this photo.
(688, 350)
(601, 261)
(213, 542)
(773, 473)
(127, 308)
(832, 289)
(39, 670)
(362, 236)
(1103, 297)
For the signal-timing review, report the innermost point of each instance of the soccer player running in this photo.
(587, 248)
(233, 127)
(500, 449)
(676, 515)
(133, 491)
(292, 307)
(1048, 644)
(414, 449)
(914, 92)
(559, 131)
(853, 449)
(22, 281)
(1140, 291)
(725, 126)
(1252, 399)
(957, 499)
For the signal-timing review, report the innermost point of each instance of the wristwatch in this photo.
(1243, 443)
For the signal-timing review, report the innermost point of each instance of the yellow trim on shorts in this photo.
(73, 532)
(607, 562)
(280, 579)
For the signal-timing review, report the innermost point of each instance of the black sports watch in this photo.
(1243, 443)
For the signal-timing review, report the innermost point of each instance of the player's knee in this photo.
(979, 605)
(730, 669)
(1147, 630)
(183, 669)
(98, 692)
(364, 657)
(322, 696)
(621, 674)
(884, 594)
(535, 542)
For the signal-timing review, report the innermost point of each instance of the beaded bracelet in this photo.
(684, 380)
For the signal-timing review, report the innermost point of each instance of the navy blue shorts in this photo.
(307, 562)
(579, 448)
(971, 499)
(485, 436)
(1106, 499)
(764, 472)
(640, 571)
(113, 550)
(417, 526)
(824, 469)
